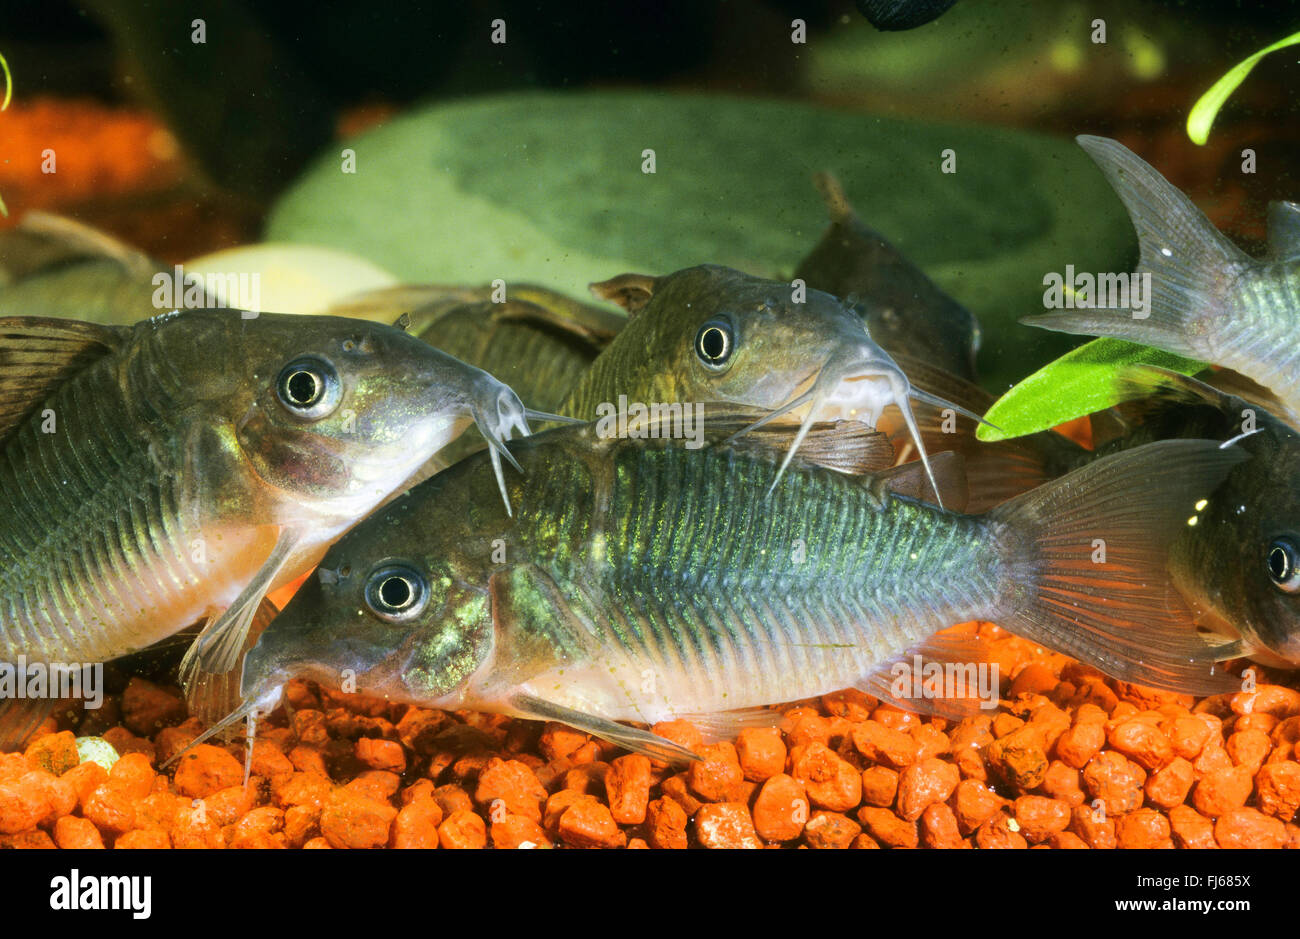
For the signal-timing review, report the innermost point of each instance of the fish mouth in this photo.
(857, 383)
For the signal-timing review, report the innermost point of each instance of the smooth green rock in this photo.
(549, 188)
(96, 750)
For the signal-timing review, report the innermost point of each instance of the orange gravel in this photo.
(1069, 759)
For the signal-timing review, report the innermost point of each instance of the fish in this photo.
(713, 334)
(1209, 300)
(183, 467)
(905, 311)
(1236, 561)
(641, 580)
(902, 14)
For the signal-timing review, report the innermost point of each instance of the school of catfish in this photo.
(832, 513)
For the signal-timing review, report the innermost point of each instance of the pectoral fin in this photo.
(218, 648)
(630, 738)
(209, 695)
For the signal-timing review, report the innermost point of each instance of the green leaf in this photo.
(1080, 382)
(1207, 108)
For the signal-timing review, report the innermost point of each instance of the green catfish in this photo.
(181, 468)
(642, 580)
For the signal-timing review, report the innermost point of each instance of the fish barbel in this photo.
(641, 580)
(1209, 300)
(181, 468)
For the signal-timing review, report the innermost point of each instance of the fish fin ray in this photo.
(19, 718)
(1188, 259)
(218, 646)
(912, 480)
(38, 354)
(210, 696)
(942, 650)
(1121, 614)
(718, 726)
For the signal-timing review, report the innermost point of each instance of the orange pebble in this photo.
(924, 784)
(1222, 791)
(1116, 781)
(887, 828)
(681, 732)
(881, 744)
(514, 784)
(831, 830)
(1142, 742)
(148, 839)
(1032, 679)
(302, 789)
(206, 769)
(111, 809)
(54, 753)
(761, 753)
(515, 831)
(973, 804)
(665, 822)
(715, 777)
(133, 774)
(627, 785)
(939, 828)
(1188, 735)
(1093, 826)
(725, 825)
(590, 825)
(416, 825)
(832, 783)
(73, 832)
(1169, 785)
(1080, 744)
(1191, 829)
(560, 740)
(1040, 817)
(350, 820)
(381, 754)
(1249, 748)
(1277, 786)
(997, 834)
(1062, 782)
(879, 786)
(781, 809)
(86, 778)
(1249, 828)
(1145, 828)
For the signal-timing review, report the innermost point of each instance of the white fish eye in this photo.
(714, 343)
(309, 388)
(397, 592)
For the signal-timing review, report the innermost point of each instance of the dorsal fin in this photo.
(37, 354)
(630, 291)
(62, 239)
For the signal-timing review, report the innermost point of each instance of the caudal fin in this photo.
(1189, 261)
(1088, 554)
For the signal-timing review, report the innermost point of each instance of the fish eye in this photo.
(308, 388)
(397, 592)
(714, 343)
(1284, 564)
